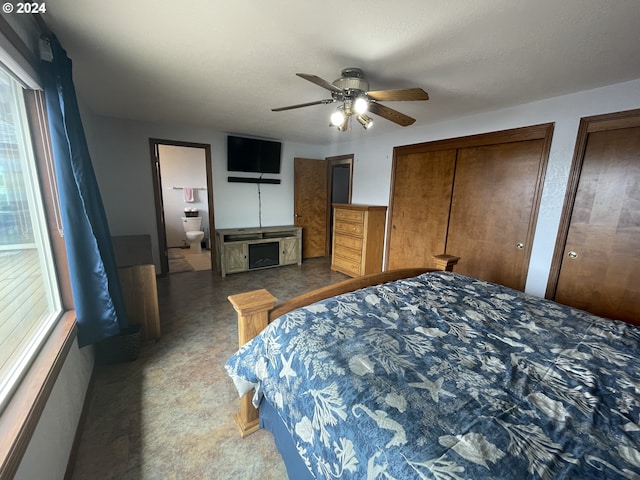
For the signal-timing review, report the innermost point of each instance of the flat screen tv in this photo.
(253, 155)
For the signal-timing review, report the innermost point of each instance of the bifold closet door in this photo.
(493, 209)
(600, 269)
(419, 207)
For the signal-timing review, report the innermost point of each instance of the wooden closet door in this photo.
(493, 210)
(419, 207)
(600, 266)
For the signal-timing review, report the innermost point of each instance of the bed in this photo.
(444, 376)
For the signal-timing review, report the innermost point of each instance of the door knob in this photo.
(519, 245)
(572, 254)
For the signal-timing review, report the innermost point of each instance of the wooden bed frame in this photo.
(256, 310)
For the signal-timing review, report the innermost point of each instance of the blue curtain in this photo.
(97, 293)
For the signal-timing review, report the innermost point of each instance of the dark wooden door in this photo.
(419, 208)
(600, 265)
(493, 204)
(310, 205)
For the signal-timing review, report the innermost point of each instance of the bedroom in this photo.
(121, 144)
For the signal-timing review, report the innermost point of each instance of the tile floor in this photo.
(168, 415)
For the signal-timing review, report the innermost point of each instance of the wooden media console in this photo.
(243, 249)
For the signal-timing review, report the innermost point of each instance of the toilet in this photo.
(192, 226)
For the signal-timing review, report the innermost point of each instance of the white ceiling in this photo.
(224, 65)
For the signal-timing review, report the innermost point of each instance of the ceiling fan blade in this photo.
(398, 95)
(300, 105)
(391, 114)
(320, 82)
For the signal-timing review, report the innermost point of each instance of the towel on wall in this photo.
(188, 194)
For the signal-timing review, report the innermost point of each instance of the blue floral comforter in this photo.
(446, 377)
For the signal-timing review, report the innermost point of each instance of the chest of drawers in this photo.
(358, 238)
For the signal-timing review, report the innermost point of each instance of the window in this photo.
(30, 301)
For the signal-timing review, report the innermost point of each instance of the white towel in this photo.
(188, 194)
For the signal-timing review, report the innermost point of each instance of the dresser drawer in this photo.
(349, 215)
(345, 266)
(348, 254)
(349, 242)
(347, 227)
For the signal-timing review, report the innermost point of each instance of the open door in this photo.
(310, 205)
(206, 193)
(339, 178)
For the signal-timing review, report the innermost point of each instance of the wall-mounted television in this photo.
(253, 155)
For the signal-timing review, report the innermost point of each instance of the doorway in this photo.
(340, 176)
(183, 188)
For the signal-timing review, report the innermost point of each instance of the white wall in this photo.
(48, 452)
(121, 158)
(373, 156)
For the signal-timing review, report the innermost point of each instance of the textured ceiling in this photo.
(224, 65)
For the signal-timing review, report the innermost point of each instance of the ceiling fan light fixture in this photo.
(361, 105)
(338, 118)
(365, 121)
(346, 125)
(352, 90)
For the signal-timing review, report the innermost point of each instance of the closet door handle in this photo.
(519, 245)
(572, 255)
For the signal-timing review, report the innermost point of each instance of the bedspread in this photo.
(443, 376)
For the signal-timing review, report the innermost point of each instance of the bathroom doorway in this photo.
(183, 188)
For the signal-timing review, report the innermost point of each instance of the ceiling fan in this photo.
(352, 89)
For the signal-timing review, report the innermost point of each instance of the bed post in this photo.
(253, 316)
(445, 262)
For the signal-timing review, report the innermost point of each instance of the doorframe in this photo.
(332, 162)
(595, 123)
(154, 144)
